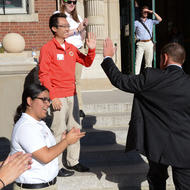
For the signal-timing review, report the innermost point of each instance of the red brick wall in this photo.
(36, 34)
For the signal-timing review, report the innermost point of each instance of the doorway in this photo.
(129, 11)
(174, 13)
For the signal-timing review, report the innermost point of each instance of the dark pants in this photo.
(158, 174)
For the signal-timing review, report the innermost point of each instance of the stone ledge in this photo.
(16, 63)
(19, 18)
(12, 69)
(16, 68)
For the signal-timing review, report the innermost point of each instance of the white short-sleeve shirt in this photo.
(28, 136)
(76, 39)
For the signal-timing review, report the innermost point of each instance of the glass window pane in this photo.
(13, 6)
(11, 3)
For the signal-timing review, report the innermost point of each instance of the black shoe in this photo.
(81, 113)
(79, 168)
(65, 173)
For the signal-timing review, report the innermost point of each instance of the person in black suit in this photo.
(160, 119)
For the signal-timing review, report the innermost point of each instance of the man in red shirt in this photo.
(57, 73)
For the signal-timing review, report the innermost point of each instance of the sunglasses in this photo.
(71, 2)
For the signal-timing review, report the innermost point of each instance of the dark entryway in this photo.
(174, 27)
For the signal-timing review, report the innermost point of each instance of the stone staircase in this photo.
(103, 147)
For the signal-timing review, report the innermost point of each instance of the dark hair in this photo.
(175, 51)
(144, 7)
(73, 13)
(32, 91)
(53, 20)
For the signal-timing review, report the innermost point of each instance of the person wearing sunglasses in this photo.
(144, 42)
(31, 135)
(76, 36)
(57, 73)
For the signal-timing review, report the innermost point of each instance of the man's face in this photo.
(62, 29)
(144, 13)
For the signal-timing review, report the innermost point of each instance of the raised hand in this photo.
(91, 40)
(108, 49)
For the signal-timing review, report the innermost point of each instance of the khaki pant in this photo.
(66, 119)
(51, 187)
(146, 49)
(78, 72)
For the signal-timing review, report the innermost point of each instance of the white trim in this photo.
(16, 10)
(31, 17)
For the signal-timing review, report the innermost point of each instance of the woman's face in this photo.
(38, 106)
(69, 5)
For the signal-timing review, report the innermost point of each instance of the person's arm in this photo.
(156, 15)
(81, 29)
(44, 75)
(129, 83)
(44, 68)
(87, 60)
(46, 154)
(13, 167)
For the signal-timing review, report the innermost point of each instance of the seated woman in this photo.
(31, 135)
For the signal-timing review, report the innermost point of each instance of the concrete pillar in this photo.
(13, 69)
(103, 17)
(96, 13)
(114, 27)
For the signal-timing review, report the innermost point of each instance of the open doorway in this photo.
(174, 15)
(126, 15)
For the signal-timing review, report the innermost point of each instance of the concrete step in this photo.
(128, 177)
(108, 155)
(106, 96)
(111, 135)
(107, 108)
(106, 102)
(106, 120)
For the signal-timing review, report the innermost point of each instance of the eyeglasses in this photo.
(44, 99)
(64, 26)
(71, 2)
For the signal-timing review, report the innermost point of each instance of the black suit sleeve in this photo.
(129, 83)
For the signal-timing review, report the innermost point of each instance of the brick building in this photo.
(33, 26)
(106, 18)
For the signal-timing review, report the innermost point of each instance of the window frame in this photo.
(19, 10)
(22, 17)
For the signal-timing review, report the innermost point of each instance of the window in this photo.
(18, 11)
(13, 7)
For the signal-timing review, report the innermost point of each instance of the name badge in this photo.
(60, 57)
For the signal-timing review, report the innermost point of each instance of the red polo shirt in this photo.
(57, 67)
